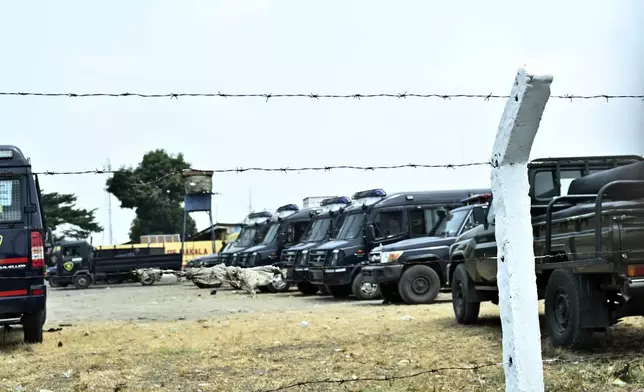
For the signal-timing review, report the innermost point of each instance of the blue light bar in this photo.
(288, 207)
(369, 193)
(335, 200)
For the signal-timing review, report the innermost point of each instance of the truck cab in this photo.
(325, 224)
(414, 270)
(23, 234)
(375, 219)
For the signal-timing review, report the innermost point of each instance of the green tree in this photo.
(154, 189)
(60, 209)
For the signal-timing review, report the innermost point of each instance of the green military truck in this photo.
(588, 225)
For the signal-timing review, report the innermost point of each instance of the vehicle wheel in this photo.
(264, 289)
(306, 288)
(148, 281)
(389, 293)
(32, 326)
(563, 304)
(465, 311)
(279, 285)
(339, 291)
(53, 282)
(362, 290)
(419, 284)
(82, 281)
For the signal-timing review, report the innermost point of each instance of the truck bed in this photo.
(130, 263)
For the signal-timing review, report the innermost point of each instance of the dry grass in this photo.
(256, 352)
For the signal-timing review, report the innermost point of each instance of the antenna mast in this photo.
(250, 201)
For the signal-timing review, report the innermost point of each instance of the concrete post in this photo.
(513, 229)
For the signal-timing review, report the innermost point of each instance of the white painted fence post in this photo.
(513, 229)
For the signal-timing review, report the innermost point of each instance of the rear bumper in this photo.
(14, 307)
(381, 274)
(297, 274)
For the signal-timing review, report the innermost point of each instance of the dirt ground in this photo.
(169, 301)
(174, 337)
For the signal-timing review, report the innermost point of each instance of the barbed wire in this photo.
(164, 175)
(267, 96)
(559, 257)
(549, 361)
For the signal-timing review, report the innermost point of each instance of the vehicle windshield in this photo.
(352, 227)
(247, 236)
(451, 223)
(271, 235)
(318, 231)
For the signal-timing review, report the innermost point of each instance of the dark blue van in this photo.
(22, 246)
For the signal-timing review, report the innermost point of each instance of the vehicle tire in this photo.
(82, 281)
(279, 286)
(53, 282)
(419, 284)
(563, 305)
(339, 291)
(306, 288)
(149, 281)
(264, 289)
(465, 311)
(32, 326)
(362, 290)
(389, 293)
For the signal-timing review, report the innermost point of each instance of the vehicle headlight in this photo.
(336, 257)
(303, 257)
(390, 257)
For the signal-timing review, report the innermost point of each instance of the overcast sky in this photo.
(329, 46)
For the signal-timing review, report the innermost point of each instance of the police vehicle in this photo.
(375, 219)
(23, 233)
(325, 224)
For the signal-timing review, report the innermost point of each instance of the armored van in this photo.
(325, 224)
(375, 219)
(23, 232)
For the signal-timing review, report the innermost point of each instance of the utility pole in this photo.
(109, 206)
(250, 201)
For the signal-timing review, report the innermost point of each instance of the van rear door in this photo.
(18, 272)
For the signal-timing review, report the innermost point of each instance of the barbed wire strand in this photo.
(315, 96)
(559, 257)
(550, 361)
(164, 175)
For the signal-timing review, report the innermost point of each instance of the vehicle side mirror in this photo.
(441, 212)
(478, 213)
(369, 233)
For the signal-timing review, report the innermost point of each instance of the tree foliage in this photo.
(154, 189)
(60, 209)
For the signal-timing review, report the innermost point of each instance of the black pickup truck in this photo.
(80, 264)
(588, 243)
(413, 271)
(325, 224)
